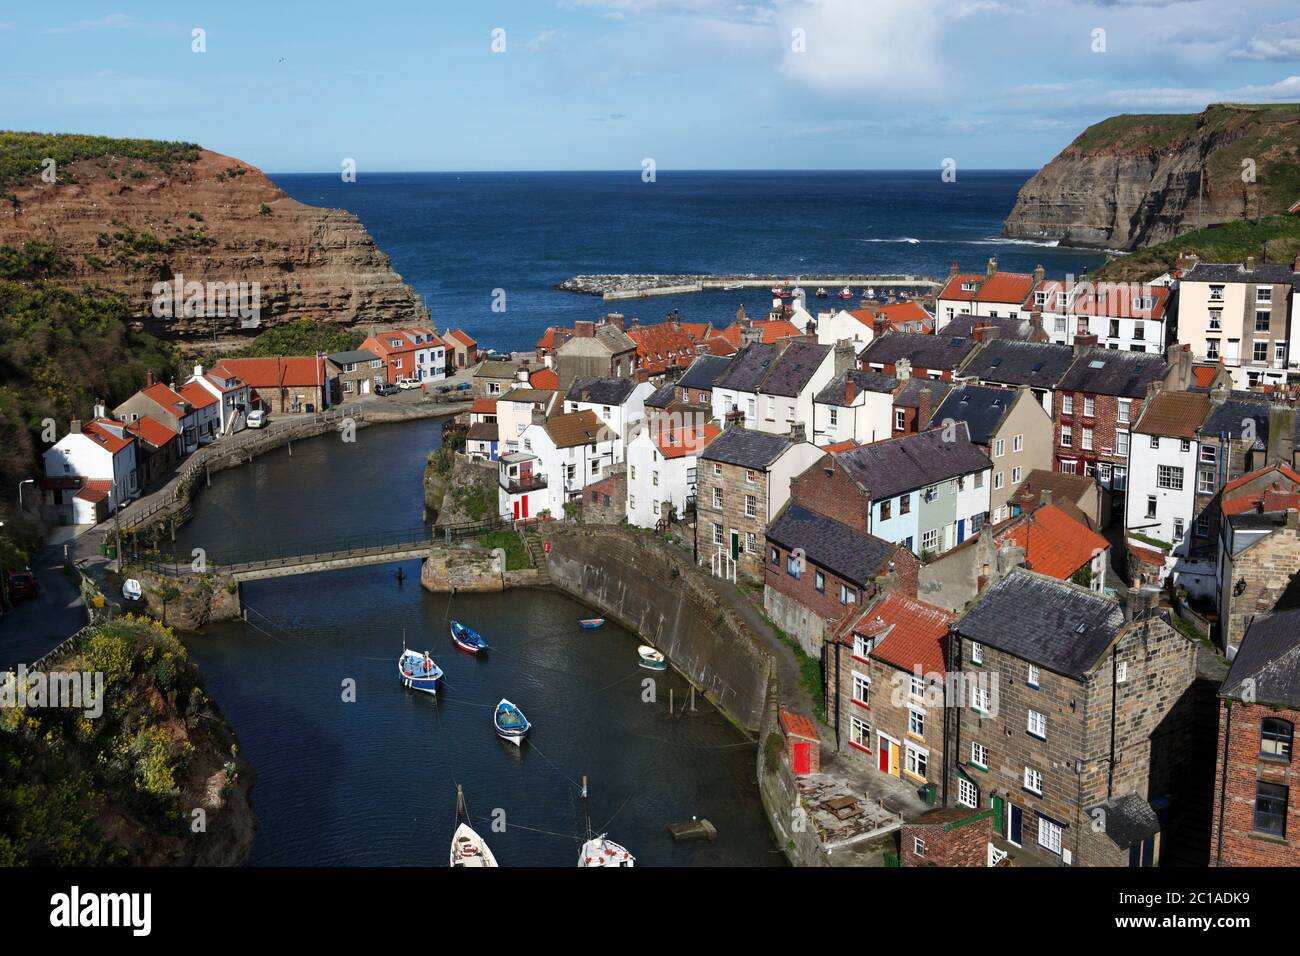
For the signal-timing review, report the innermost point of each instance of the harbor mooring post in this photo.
(671, 709)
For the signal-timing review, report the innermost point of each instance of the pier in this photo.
(616, 287)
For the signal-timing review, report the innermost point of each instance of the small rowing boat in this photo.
(418, 671)
(511, 723)
(592, 622)
(467, 847)
(651, 659)
(467, 639)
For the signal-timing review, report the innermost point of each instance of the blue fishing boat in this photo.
(592, 622)
(467, 639)
(511, 723)
(418, 671)
(651, 659)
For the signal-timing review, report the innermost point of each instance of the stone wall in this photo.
(203, 598)
(1271, 569)
(653, 589)
(460, 569)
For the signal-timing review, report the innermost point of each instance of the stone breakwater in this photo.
(631, 286)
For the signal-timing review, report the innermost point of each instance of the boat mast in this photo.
(586, 810)
(461, 809)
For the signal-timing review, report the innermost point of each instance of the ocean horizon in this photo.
(467, 240)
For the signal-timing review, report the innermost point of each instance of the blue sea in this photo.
(457, 237)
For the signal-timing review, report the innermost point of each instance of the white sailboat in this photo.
(600, 850)
(467, 847)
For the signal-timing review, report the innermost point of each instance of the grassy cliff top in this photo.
(1141, 131)
(1272, 239)
(21, 154)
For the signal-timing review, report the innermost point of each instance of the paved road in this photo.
(34, 627)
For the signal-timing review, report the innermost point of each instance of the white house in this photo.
(618, 402)
(661, 470)
(855, 406)
(991, 295)
(516, 410)
(773, 385)
(234, 398)
(104, 456)
(1130, 317)
(569, 452)
(1163, 472)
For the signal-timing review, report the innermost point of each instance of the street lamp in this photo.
(27, 481)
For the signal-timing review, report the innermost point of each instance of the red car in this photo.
(22, 584)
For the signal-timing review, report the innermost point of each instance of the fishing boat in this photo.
(779, 291)
(822, 293)
(418, 671)
(467, 847)
(467, 639)
(733, 287)
(131, 589)
(590, 623)
(600, 850)
(651, 659)
(511, 723)
(846, 293)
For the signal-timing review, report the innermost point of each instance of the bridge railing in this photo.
(331, 549)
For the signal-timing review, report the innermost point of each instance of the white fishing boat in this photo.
(846, 293)
(600, 850)
(651, 659)
(418, 671)
(467, 847)
(510, 722)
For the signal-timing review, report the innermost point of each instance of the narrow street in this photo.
(35, 626)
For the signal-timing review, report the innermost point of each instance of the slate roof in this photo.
(1175, 414)
(1011, 328)
(356, 356)
(1037, 364)
(1055, 625)
(490, 368)
(1270, 656)
(601, 391)
(793, 368)
(746, 448)
(1264, 273)
(1113, 372)
(940, 352)
(834, 394)
(703, 372)
(888, 468)
(1228, 419)
(981, 407)
(482, 431)
(1128, 820)
(747, 368)
(852, 555)
(909, 395)
(662, 397)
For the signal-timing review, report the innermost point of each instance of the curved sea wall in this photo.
(653, 589)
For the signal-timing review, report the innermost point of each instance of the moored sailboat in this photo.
(600, 850)
(467, 847)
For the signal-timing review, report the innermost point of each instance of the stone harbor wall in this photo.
(202, 598)
(462, 569)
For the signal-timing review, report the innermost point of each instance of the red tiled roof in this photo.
(674, 443)
(698, 331)
(277, 372)
(94, 490)
(1008, 287)
(772, 331)
(197, 395)
(660, 346)
(1204, 374)
(165, 397)
(1055, 544)
(1282, 469)
(1149, 556)
(898, 314)
(798, 725)
(840, 446)
(461, 337)
(717, 345)
(484, 406)
(913, 632)
(547, 341)
(1112, 300)
(152, 431)
(104, 436)
(545, 380)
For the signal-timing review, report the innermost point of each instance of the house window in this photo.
(860, 733)
(979, 699)
(1169, 476)
(886, 507)
(1067, 436)
(717, 470)
(1121, 444)
(917, 686)
(751, 542)
(999, 448)
(1151, 506)
(776, 556)
(917, 762)
(1202, 527)
(1015, 475)
(976, 653)
(834, 416)
(1037, 725)
(968, 794)
(1067, 405)
(654, 478)
(930, 540)
(1270, 808)
(1275, 738)
(997, 480)
(915, 722)
(1034, 781)
(1184, 446)
(861, 647)
(1209, 454)
(1032, 678)
(717, 498)
(1089, 407)
(1121, 672)
(1216, 293)
(1018, 443)
(900, 419)
(717, 534)
(1212, 348)
(848, 595)
(1155, 441)
(918, 846)
(819, 581)
(1215, 320)
(751, 506)
(1179, 527)
(1259, 351)
(904, 504)
(1262, 321)
(750, 476)
(979, 479)
(1124, 405)
(793, 567)
(861, 689)
(1087, 440)
(1049, 835)
(979, 755)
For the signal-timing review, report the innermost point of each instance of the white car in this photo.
(256, 419)
(407, 383)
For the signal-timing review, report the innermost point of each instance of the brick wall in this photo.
(1235, 842)
(1102, 423)
(953, 839)
(826, 489)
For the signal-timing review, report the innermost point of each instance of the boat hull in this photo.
(653, 665)
(514, 732)
(592, 623)
(468, 849)
(413, 674)
(466, 639)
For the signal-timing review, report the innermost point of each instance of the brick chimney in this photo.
(740, 315)
(986, 333)
(1295, 266)
(539, 416)
(903, 369)
(993, 265)
(584, 329)
(953, 269)
(1039, 273)
(1083, 342)
(148, 378)
(850, 390)
(735, 418)
(1281, 434)
(1250, 264)
(797, 432)
(1045, 496)
(924, 407)
(74, 427)
(615, 319)
(845, 356)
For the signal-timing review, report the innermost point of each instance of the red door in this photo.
(516, 506)
(884, 756)
(525, 503)
(802, 758)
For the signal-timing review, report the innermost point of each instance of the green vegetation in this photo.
(773, 748)
(304, 337)
(1154, 542)
(810, 669)
(73, 789)
(517, 557)
(1136, 131)
(478, 502)
(59, 351)
(21, 154)
(1273, 239)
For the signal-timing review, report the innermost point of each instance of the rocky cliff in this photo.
(1132, 181)
(126, 214)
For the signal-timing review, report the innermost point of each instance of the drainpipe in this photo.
(1114, 690)
(1223, 778)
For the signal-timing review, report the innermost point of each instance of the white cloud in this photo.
(1275, 41)
(542, 40)
(886, 46)
(1185, 98)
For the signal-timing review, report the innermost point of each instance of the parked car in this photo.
(386, 388)
(256, 419)
(22, 584)
(407, 383)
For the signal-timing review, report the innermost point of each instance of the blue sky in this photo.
(603, 84)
